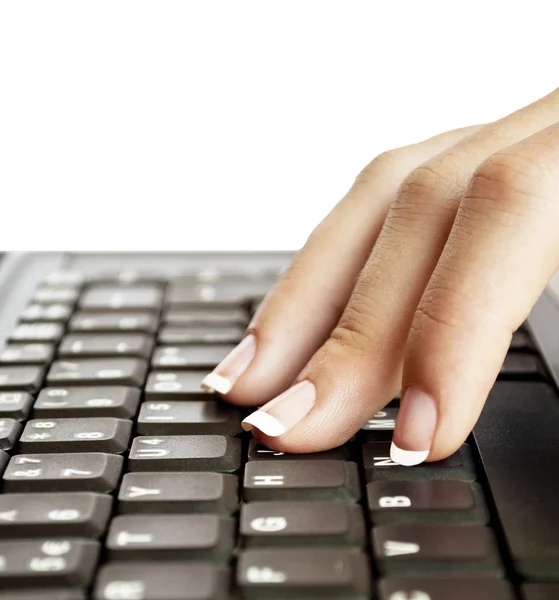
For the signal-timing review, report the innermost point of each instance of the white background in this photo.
(236, 125)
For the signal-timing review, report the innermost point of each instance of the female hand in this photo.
(416, 282)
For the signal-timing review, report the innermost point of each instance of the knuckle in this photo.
(446, 304)
(353, 331)
(434, 177)
(505, 185)
(385, 162)
(430, 313)
(425, 197)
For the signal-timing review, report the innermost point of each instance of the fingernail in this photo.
(225, 375)
(283, 412)
(415, 427)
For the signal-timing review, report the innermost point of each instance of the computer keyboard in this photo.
(123, 480)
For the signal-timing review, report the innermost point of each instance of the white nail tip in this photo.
(265, 422)
(407, 458)
(216, 383)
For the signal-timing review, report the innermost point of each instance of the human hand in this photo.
(415, 281)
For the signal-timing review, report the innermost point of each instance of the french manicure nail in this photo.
(225, 375)
(415, 427)
(284, 412)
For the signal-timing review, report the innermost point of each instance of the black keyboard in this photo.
(123, 480)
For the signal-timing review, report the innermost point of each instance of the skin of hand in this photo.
(415, 282)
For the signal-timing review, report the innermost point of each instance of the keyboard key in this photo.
(26, 354)
(186, 294)
(175, 385)
(517, 438)
(37, 332)
(104, 434)
(301, 480)
(128, 276)
(257, 451)
(189, 418)
(102, 401)
(4, 458)
(189, 357)
(312, 574)
(518, 365)
(122, 298)
(540, 591)
(162, 581)
(384, 420)
(89, 371)
(202, 316)
(302, 524)
(36, 313)
(9, 433)
(424, 502)
(27, 379)
(114, 322)
(185, 453)
(89, 345)
(522, 342)
(55, 295)
(64, 279)
(379, 466)
(445, 589)
(60, 515)
(15, 405)
(178, 493)
(171, 537)
(87, 472)
(380, 427)
(44, 594)
(419, 550)
(224, 334)
(46, 562)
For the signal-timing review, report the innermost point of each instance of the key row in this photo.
(293, 572)
(263, 479)
(434, 502)
(165, 383)
(181, 292)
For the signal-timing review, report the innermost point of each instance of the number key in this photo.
(104, 434)
(44, 562)
(66, 514)
(87, 472)
(9, 433)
